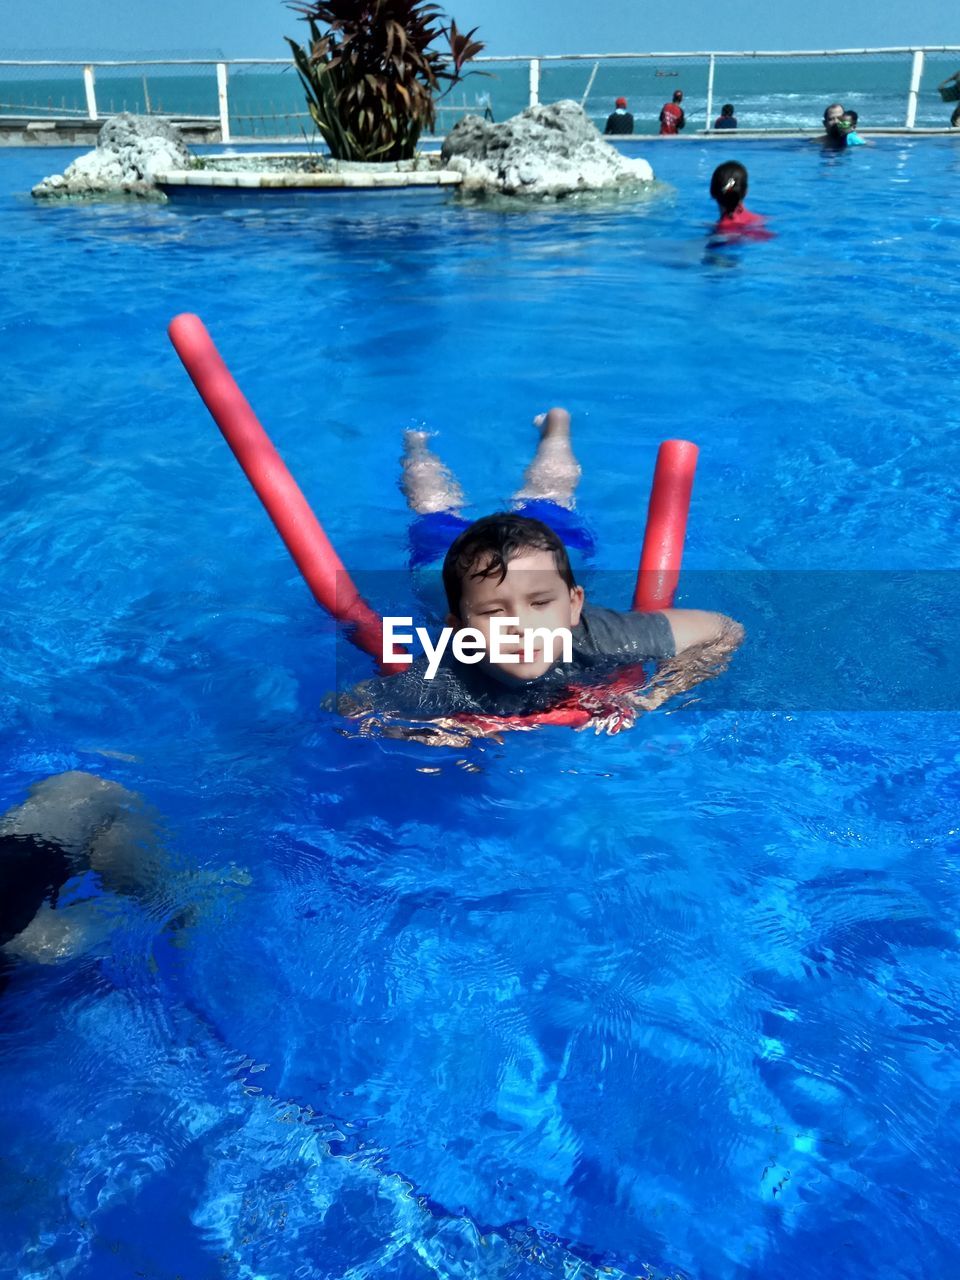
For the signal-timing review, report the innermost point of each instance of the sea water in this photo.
(768, 93)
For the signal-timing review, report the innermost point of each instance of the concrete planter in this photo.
(301, 173)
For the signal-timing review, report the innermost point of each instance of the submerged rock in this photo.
(545, 152)
(130, 150)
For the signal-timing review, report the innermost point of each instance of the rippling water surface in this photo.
(681, 1001)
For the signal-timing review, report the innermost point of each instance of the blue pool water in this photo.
(677, 1002)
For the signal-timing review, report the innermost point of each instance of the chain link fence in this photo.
(940, 90)
(41, 91)
(83, 91)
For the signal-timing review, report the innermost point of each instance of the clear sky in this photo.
(254, 28)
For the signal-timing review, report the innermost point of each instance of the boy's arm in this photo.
(694, 626)
(704, 643)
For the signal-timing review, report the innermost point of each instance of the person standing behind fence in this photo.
(949, 91)
(619, 120)
(672, 119)
(726, 119)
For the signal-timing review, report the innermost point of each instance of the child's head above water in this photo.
(728, 186)
(509, 566)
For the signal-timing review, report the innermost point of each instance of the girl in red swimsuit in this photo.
(728, 186)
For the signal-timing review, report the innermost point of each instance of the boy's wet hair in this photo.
(852, 117)
(494, 541)
(728, 186)
(727, 109)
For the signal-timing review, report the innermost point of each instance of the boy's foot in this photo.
(416, 437)
(414, 440)
(555, 422)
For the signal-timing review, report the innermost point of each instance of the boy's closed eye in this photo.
(492, 610)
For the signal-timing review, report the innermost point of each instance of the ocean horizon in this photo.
(767, 93)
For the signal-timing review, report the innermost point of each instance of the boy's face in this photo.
(532, 592)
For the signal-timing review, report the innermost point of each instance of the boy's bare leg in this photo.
(554, 472)
(72, 810)
(427, 484)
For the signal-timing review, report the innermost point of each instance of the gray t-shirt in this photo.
(603, 640)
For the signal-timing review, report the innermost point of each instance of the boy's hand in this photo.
(446, 732)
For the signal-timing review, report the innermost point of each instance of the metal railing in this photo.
(230, 97)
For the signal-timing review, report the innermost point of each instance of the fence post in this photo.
(223, 102)
(89, 85)
(713, 63)
(916, 75)
(534, 81)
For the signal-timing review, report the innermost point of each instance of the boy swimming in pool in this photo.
(510, 573)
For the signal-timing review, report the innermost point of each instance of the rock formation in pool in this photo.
(130, 150)
(546, 151)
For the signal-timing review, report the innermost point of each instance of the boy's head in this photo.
(727, 110)
(728, 186)
(510, 566)
(849, 120)
(621, 103)
(678, 95)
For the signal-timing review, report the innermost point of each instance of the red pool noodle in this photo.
(666, 529)
(276, 488)
(322, 568)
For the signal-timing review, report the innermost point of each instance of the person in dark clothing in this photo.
(32, 871)
(619, 120)
(949, 91)
(672, 119)
(69, 824)
(726, 119)
(71, 827)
